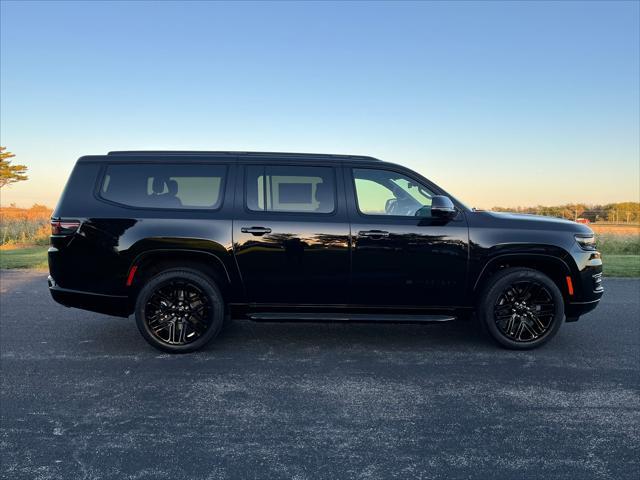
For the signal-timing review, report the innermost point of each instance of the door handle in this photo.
(373, 234)
(255, 230)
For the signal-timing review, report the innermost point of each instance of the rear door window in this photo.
(290, 189)
(164, 186)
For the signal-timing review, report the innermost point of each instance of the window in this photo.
(164, 186)
(290, 189)
(384, 192)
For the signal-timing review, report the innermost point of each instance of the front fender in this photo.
(554, 261)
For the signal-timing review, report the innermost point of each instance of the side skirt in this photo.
(347, 317)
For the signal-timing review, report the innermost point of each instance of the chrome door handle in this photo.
(255, 230)
(373, 234)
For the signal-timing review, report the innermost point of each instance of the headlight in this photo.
(586, 241)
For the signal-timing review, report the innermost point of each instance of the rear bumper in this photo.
(117, 305)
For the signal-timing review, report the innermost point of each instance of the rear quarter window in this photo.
(172, 186)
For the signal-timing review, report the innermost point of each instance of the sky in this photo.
(500, 103)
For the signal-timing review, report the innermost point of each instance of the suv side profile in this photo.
(186, 240)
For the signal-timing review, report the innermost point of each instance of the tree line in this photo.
(622, 212)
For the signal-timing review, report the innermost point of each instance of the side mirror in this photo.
(442, 207)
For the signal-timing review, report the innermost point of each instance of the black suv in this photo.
(185, 240)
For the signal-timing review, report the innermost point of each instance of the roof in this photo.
(248, 155)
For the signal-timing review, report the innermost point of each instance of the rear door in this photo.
(291, 233)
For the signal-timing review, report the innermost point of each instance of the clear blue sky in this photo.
(501, 103)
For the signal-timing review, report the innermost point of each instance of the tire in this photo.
(177, 322)
(517, 318)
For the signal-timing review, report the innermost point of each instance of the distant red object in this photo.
(583, 220)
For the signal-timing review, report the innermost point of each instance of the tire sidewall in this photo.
(497, 287)
(203, 282)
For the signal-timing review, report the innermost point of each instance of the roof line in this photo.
(238, 153)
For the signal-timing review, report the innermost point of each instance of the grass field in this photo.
(621, 265)
(36, 257)
(29, 257)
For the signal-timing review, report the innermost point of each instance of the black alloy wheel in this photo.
(524, 311)
(521, 308)
(179, 310)
(177, 313)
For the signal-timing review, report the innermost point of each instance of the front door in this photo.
(401, 254)
(291, 235)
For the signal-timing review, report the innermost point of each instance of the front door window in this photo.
(385, 192)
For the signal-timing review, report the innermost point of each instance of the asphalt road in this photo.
(84, 397)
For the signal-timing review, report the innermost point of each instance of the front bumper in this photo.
(574, 309)
(590, 289)
(116, 305)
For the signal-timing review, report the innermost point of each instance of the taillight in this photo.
(64, 227)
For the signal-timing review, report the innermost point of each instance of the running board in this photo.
(347, 317)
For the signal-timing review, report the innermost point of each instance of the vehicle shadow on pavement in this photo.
(120, 336)
(363, 334)
(25, 296)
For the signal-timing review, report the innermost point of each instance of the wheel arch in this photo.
(151, 262)
(556, 268)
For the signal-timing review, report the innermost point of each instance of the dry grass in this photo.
(617, 239)
(615, 229)
(24, 226)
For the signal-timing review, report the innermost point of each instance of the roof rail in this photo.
(239, 154)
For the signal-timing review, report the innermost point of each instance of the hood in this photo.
(536, 222)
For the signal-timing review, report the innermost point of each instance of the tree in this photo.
(10, 173)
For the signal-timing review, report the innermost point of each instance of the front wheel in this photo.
(521, 308)
(179, 310)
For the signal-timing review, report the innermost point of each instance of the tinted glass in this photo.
(384, 192)
(164, 186)
(291, 189)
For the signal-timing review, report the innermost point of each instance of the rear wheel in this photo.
(179, 310)
(521, 308)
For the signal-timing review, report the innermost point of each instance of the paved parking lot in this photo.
(84, 397)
